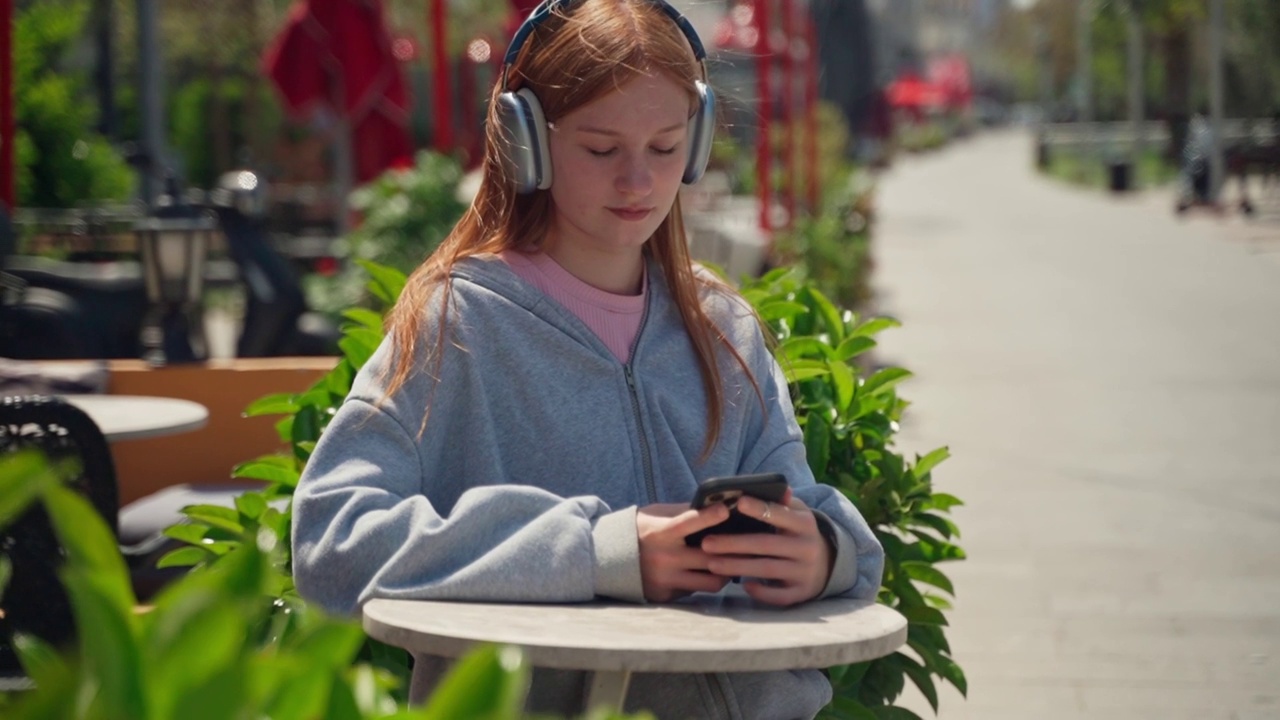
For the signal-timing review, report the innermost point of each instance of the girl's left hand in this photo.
(795, 561)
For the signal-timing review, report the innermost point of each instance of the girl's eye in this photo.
(665, 151)
(602, 153)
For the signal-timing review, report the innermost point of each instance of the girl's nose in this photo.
(634, 177)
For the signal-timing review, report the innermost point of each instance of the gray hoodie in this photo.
(524, 485)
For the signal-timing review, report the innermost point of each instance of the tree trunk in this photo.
(1177, 65)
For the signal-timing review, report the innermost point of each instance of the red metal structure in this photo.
(764, 88)
(443, 136)
(811, 112)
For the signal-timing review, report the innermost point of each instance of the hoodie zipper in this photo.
(649, 486)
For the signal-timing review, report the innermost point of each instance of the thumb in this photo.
(692, 520)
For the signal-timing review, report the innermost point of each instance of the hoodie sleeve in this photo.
(362, 528)
(777, 445)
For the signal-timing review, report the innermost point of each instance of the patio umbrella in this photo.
(337, 54)
(910, 91)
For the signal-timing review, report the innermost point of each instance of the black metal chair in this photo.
(34, 601)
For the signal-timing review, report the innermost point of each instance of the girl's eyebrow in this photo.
(615, 133)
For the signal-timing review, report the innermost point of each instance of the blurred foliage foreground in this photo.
(210, 647)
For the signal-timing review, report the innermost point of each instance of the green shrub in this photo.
(209, 648)
(848, 422)
(833, 248)
(62, 161)
(405, 213)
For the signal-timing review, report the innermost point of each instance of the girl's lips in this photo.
(631, 214)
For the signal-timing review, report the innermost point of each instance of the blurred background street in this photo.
(1107, 377)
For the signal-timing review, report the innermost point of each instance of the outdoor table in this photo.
(701, 634)
(134, 417)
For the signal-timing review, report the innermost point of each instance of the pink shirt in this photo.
(615, 319)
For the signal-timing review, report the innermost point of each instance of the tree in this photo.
(61, 160)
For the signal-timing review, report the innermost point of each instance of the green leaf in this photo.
(939, 664)
(926, 464)
(196, 634)
(943, 502)
(920, 677)
(884, 380)
(924, 615)
(488, 682)
(39, 659)
(849, 709)
(781, 310)
(853, 346)
(184, 557)
(275, 470)
(306, 426)
(799, 348)
(215, 516)
(365, 318)
(828, 312)
(358, 345)
(386, 283)
(843, 380)
(332, 645)
(23, 477)
(893, 712)
(937, 601)
(192, 534)
(90, 546)
(795, 375)
(943, 526)
(817, 443)
(278, 404)
(875, 326)
(926, 573)
(251, 505)
(934, 550)
(109, 649)
(338, 380)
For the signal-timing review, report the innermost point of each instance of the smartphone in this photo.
(765, 486)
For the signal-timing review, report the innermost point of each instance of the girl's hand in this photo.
(669, 569)
(789, 567)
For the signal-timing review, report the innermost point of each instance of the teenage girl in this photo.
(558, 377)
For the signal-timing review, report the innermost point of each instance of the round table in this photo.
(133, 417)
(701, 634)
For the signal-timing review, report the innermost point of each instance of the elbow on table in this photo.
(320, 581)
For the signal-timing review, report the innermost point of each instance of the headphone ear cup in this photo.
(702, 128)
(523, 129)
(541, 148)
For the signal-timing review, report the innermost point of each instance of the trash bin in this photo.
(1042, 153)
(1120, 176)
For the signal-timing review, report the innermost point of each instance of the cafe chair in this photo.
(34, 601)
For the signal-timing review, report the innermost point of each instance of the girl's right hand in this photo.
(669, 569)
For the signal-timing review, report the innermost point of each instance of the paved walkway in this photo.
(1108, 380)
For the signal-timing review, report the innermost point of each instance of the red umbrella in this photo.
(337, 53)
(909, 91)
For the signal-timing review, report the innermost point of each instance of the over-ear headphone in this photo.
(523, 127)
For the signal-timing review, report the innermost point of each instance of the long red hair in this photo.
(572, 58)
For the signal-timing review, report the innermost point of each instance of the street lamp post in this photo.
(174, 242)
(1217, 162)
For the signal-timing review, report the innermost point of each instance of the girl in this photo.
(557, 379)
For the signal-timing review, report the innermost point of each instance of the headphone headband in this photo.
(523, 126)
(547, 7)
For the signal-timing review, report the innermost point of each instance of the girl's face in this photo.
(616, 166)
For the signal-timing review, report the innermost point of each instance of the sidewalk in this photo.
(1107, 377)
